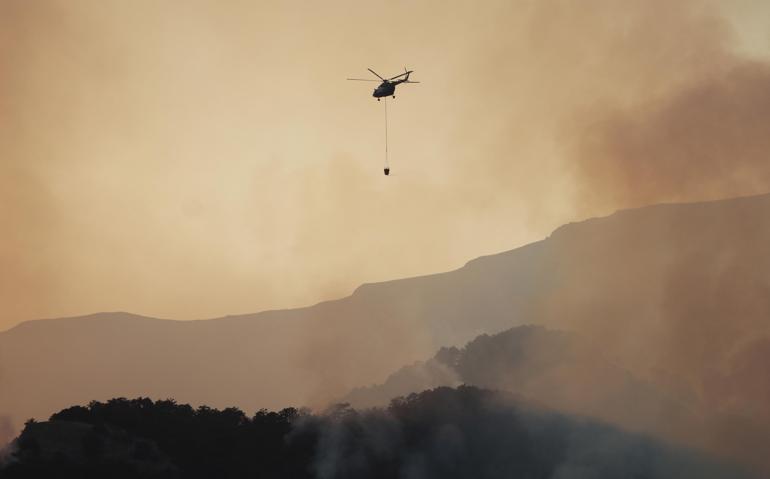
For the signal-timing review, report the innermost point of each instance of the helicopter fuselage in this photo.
(385, 89)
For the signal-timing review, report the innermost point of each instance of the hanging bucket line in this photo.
(387, 166)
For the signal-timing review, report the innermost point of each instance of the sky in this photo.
(192, 159)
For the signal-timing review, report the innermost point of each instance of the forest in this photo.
(440, 433)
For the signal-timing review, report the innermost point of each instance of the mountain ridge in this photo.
(364, 287)
(675, 292)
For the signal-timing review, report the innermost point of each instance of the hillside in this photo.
(557, 369)
(678, 294)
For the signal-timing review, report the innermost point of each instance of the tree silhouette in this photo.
(440, 433)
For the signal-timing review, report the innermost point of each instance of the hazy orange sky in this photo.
(190, 159)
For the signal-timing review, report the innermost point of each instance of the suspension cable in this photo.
(386, 132)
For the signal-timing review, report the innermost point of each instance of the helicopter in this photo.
(388, 85)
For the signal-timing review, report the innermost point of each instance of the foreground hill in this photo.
(678, 294)
(554, 368)
(443, 433)
(561, 371)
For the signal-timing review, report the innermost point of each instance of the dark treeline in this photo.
(442, 433)
(162, 439)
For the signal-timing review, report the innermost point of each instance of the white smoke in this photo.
(7, 440)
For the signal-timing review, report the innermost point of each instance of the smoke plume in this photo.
(145, 155)
(469, 432)
(7, 435)
(706, 140)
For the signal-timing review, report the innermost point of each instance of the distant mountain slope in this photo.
(554, 368)
(557, 369)
(677, 293)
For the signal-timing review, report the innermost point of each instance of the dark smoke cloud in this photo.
(707, 140)
(468, 432)
(681, 295)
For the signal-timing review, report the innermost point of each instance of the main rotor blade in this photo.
(405, 73)
(362, 79)
(378, 75)
(410, 81)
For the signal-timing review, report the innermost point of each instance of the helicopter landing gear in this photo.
(394, 97)
(378, 99)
